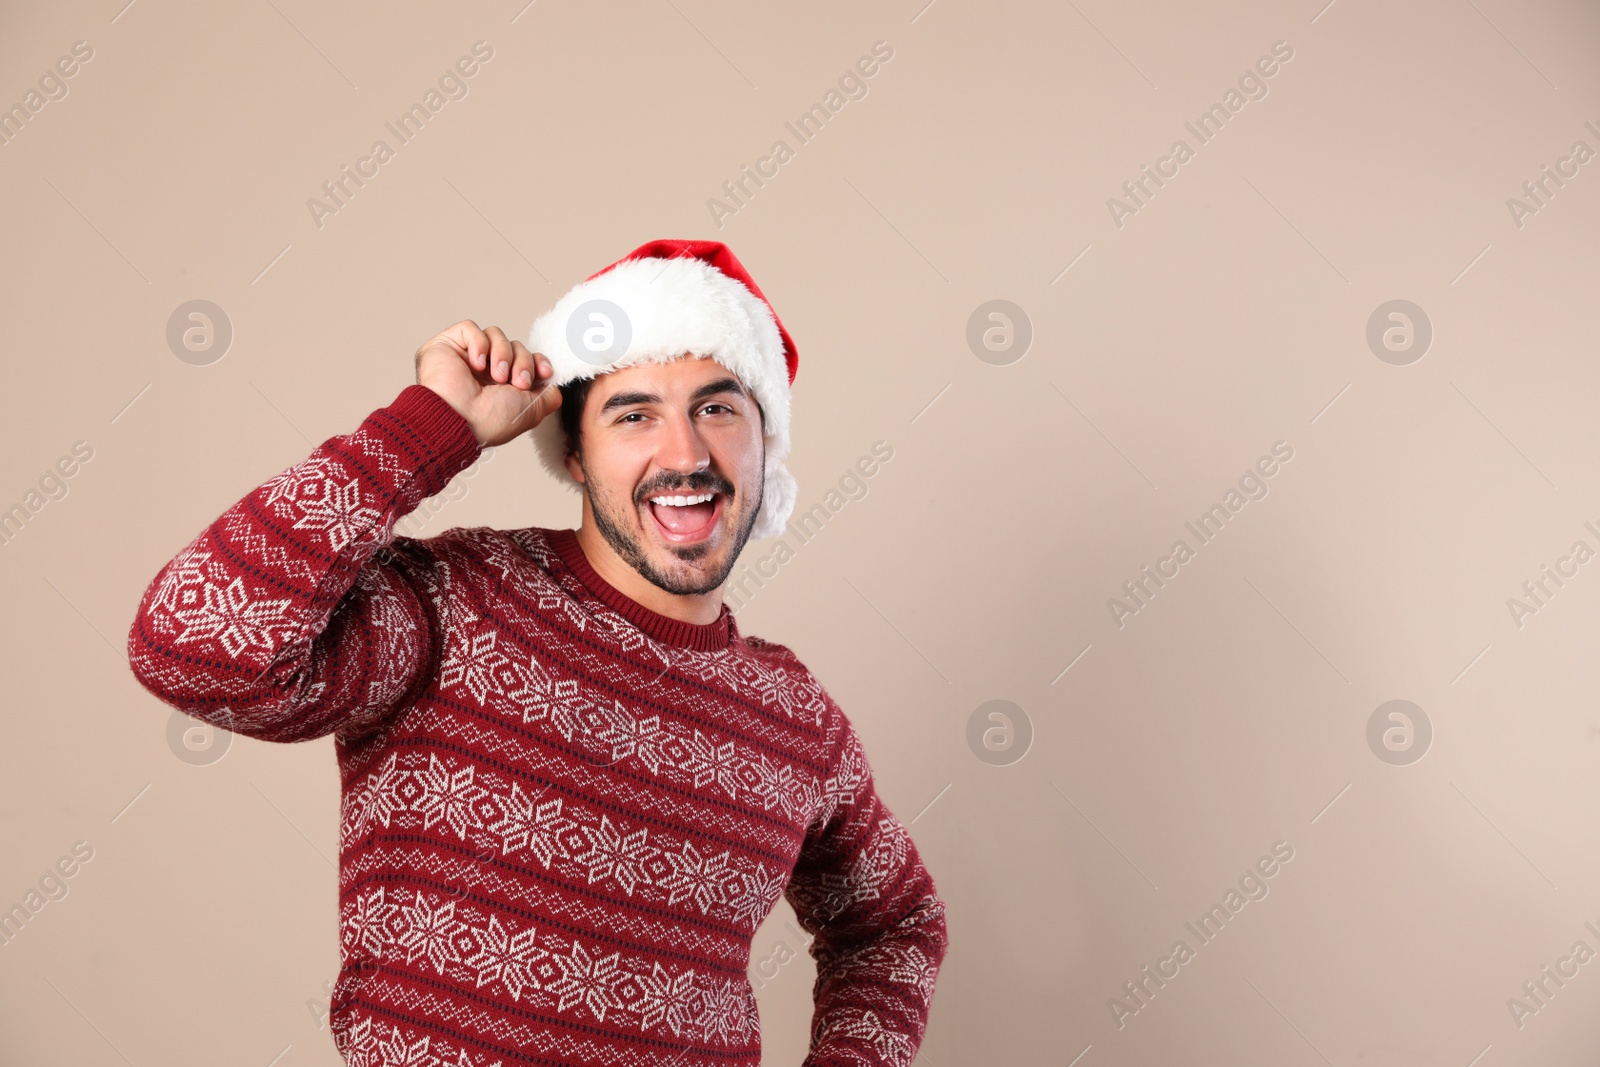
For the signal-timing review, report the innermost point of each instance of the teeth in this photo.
(682, 501)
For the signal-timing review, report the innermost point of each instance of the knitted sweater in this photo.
(564, 815)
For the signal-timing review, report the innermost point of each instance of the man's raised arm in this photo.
(290, 617)
(280, 621)
(861, 889)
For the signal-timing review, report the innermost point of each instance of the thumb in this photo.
(537, 405)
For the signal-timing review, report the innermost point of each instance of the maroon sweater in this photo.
(564, 815)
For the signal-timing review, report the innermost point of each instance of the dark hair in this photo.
(573, 396)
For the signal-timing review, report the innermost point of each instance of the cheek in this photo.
(755, 458)
(618, 471)
(745, 459)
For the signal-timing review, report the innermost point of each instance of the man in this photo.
(572, 789)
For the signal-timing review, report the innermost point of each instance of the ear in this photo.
(574, 467)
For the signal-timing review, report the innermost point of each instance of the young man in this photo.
(572, 789)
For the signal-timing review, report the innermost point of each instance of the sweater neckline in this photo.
(701, 637)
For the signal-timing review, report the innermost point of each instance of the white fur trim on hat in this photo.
(671, 307)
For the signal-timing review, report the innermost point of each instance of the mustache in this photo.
(698, 482)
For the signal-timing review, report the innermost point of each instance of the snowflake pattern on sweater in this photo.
(563, 815)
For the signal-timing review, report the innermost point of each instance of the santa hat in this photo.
(662, 300)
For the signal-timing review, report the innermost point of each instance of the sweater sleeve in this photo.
(860, 888)
(290, 617)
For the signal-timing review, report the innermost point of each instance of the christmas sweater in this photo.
(563, 814)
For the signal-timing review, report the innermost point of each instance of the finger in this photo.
(470, 340)
(541, 402)
(549, 399)
(499, 354)
(522, 366)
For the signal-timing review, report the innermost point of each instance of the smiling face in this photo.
(671, 457)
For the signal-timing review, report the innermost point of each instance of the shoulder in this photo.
(772, 652)
(842, 766)
(482, 565)
(785, 680)
(499, 551)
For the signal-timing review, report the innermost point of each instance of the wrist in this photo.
(444, 440)
(457, 408)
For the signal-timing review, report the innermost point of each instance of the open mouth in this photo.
(685, 517)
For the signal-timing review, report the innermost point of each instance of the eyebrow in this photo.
(721, 385)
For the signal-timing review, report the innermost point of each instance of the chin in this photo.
(696, 562)
(685, 562)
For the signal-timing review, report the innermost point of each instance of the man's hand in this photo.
(496, 384)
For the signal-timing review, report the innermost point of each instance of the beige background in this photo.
(1228, 314)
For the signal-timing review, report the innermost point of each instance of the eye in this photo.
(630, 415)
(715, 404)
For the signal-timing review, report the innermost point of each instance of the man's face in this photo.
(657, 440)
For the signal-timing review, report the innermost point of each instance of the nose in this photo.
(682, 448)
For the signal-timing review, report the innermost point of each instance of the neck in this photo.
(697, 608)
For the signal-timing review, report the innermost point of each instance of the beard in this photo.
(611, 519)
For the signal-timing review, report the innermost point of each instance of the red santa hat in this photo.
(662, 300)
